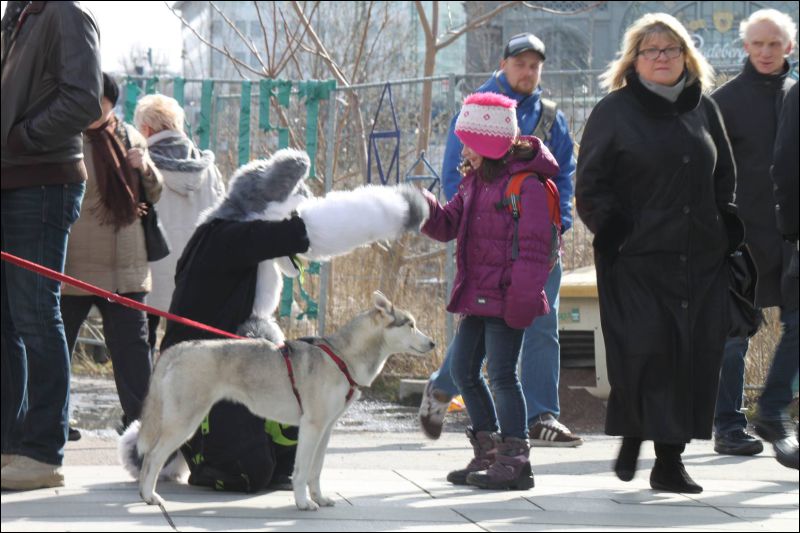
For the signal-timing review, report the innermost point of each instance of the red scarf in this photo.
(117, 182)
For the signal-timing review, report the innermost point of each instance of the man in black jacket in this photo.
(771, 421)
(750, 104)
(51, 90)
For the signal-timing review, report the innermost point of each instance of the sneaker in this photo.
(73, 435)
(24, 473)
(549, 432)
(737, 442)
(432, 410)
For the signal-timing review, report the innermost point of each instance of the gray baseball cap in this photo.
(522, 42)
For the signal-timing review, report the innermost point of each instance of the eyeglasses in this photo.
(651, 54)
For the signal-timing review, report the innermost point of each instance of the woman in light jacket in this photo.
(192, 184)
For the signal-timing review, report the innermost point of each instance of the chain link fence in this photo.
(368, 134)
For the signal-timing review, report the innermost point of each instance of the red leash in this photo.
(114, 297)
(110, 296)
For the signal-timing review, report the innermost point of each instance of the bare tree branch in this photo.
(364, 34)
(292, 42)
(590, 7)
(213, 46)
(423, 19)
(337, 72)
(474, 23)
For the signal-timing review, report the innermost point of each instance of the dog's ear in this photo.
(382, 304)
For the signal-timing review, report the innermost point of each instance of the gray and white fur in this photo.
(271, 189)
(192, 376)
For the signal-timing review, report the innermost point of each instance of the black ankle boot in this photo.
(625, 467)
(668, 472)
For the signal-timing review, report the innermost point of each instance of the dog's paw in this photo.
(307, 505)
(323, 501)
(153, 499)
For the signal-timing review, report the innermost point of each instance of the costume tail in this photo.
(127, 451)
(131, 458)
(344, 220)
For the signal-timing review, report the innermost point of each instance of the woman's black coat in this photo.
(655, 181)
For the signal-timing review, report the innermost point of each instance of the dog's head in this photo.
(266, 189)
(400, 329)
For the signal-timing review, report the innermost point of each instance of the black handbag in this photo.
(745, 316)
(155, 238)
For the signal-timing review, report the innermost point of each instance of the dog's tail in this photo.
(130, 457)
(128, 452)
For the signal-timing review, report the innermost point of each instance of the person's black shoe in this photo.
(625, 466)
(74, 434)
(786, 451)
(737, 442)
(771, 429)
(671, 476)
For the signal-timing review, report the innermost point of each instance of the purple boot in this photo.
(483, 446)
(510, 470)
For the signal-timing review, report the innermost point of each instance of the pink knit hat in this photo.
(487, 123)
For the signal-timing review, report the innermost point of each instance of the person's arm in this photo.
(595, 199)
(443, 222)
(562, 147)
(138, 158)
(76, 104)
(237, 245)
(451, 177)
(724, 176)
(785, 167)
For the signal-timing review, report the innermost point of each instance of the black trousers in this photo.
(125, 332)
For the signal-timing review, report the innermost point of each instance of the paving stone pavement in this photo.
(396, 482)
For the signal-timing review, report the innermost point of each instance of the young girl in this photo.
(497, 294)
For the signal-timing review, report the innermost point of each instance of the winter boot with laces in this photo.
(511, 468)
(483, 446)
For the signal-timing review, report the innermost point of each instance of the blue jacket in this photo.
(529, 109)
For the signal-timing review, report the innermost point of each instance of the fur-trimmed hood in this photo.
(260, 189)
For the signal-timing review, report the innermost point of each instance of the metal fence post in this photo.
(325, 271)
(449, 266)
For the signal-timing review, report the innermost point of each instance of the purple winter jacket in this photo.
(488, 282)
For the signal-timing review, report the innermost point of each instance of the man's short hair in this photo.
(783, 21)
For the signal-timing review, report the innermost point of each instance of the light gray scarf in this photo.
(668, 92)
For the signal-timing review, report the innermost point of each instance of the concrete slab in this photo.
(392, 482)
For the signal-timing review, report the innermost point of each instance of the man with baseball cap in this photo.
(518, 78)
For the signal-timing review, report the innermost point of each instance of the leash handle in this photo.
(110, 296)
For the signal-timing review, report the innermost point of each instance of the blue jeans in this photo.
(484, 338)
(539, 358)
(777, 392)
(35, 359)
(729, 415)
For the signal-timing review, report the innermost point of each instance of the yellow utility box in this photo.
(580, 334)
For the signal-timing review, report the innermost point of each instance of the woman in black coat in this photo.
(655, 184)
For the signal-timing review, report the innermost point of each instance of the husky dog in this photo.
(192, 376)
(271, 189)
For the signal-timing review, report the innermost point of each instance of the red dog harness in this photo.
(286, 352)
